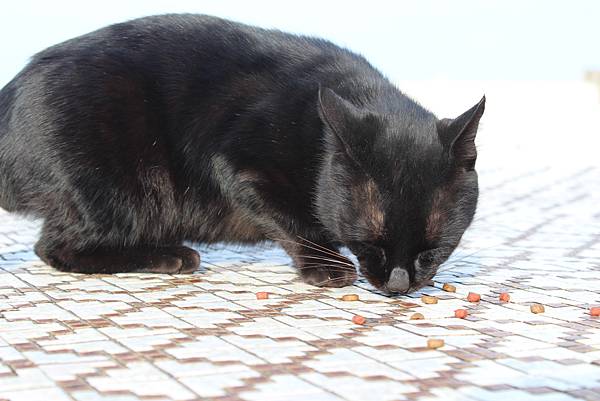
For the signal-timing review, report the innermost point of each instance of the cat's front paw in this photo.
(328, 277)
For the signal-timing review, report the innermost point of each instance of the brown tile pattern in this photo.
(205, 336)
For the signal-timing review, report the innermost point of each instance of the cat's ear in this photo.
(345, 120)
(458, 135)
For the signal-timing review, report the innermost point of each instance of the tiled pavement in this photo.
(205, 336)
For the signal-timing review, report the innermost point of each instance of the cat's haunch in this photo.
(137, 137)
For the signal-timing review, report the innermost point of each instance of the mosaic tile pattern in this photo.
(206, 336)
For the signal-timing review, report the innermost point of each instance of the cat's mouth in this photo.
(390, 288)
(373, 279)
(423, 282)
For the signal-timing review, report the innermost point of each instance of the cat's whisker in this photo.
(342, 276)
(330, 280)
(328, 267)
(325, 259)
(317, 261)
(322, 250)
(325, 250)
(465, 257)
(313, 248)
(295, 243)
(309, 247)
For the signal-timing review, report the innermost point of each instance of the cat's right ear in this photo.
(343, 119)
(458, 135)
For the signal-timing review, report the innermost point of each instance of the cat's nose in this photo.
(399, 281)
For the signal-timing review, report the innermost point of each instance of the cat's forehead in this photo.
(414, 125)
(409, 158)
(408, 139)
(409, 118)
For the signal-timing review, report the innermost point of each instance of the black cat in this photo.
(132, 139)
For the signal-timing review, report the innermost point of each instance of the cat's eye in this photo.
(368, 250)
(427, 258)
(379, 253)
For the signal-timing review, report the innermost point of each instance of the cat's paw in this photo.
(328, 277)
(175, 260)
(190, 259)
(162, 263)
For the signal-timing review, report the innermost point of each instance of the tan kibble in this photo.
(417, 316)
(350, 297)
(537, 308)
(428, 299)
(434, 343)
(448, 287)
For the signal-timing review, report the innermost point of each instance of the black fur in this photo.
(132, 139)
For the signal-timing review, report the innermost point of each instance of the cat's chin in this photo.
(417, 286)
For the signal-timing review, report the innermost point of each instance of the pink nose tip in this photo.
(399, 281)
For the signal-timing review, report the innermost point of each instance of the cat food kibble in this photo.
(448, 287)
(350, 297)
(595, 311)
(504, 297)
(428, 299)
(473, 297)
(358, 319)
(461, 313)
(262, 295)
(434, 343)
(417, 316)
(537, 308)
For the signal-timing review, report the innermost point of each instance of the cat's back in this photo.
(170, 66)
(139, 94)
(171, 44)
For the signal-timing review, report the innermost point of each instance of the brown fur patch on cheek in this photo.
(367, 200)
(437, 216)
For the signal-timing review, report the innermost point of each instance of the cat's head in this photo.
(397, 186)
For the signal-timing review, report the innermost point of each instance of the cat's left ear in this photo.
(458, 135)
(350, 125)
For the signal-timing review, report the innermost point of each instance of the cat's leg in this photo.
(168, 260)
(261, 203)
(319, 263)
(72, 241)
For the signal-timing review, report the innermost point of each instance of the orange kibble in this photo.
(473, 297)
(358, 319)
(461, 313)
(262, 295)
(595, 311)
(504, 297)
(417, 316)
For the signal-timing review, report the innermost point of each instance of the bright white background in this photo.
(529, 57)
(424, 39)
